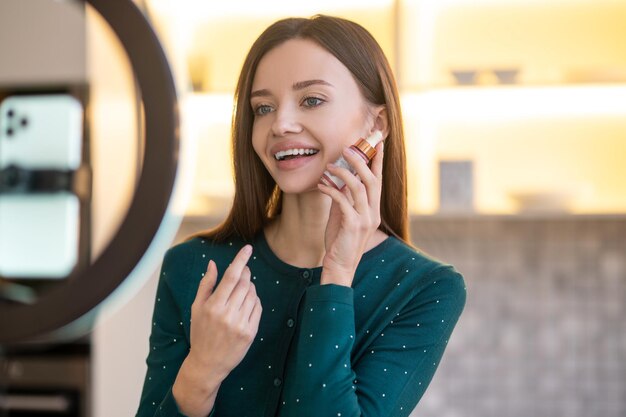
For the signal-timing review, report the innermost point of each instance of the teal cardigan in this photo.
(321, 350)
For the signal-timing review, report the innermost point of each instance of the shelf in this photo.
(209, 221)
(520, 216)
(547, 42)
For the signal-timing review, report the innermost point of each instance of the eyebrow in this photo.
(296, 86)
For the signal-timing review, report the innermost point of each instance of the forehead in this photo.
(299, 60)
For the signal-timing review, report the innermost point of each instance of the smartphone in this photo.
(39, 231)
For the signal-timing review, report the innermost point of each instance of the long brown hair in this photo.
(257, 197)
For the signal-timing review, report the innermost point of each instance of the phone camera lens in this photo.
(24, 122)
(9, 132)
(11, 113)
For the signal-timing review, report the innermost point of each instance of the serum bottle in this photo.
(364, 148)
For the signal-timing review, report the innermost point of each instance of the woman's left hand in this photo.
(354, 216)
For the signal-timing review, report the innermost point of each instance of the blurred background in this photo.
(515, 123)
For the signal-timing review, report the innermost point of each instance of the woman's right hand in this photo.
(224, 320)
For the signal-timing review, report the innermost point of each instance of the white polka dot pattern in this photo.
(384, 348)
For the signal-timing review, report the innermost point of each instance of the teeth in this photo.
(282, 154)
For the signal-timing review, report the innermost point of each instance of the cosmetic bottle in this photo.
(365, 148)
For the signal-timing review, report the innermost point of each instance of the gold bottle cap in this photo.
(366, 148)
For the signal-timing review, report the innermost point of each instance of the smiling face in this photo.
(306, 102)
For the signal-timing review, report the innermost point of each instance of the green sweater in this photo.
(321, 350)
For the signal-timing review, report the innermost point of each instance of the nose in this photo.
(286, 121)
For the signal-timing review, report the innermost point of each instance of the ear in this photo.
(381, 121)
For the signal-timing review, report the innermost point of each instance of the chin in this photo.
(299, 188)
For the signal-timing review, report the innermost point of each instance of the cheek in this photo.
(345, 127)
(260, 130)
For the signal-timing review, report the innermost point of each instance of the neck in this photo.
(297, 235)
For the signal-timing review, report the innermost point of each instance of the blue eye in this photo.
(262, 110)
(312, 101)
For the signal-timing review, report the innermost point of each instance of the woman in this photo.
(306, 300)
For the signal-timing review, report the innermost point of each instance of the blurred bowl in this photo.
(506, 75)
(465, 77)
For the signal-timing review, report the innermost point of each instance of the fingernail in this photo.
(247, 249)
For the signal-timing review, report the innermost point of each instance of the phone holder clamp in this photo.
(17, 180)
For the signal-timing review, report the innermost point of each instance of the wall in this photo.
(41, 43)
(542, 333)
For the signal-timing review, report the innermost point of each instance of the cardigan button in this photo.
(277, 382)
(307, 275)
(290, 323)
